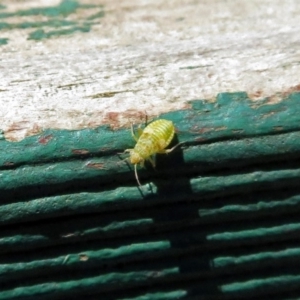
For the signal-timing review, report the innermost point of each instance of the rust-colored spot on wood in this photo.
(256, 95)
(117, 120)
(276, 98)
(45, 139)
(201, 130)
(15, 126)
(83, 257)
(112, 117)
(18, 130)
(291, 90)
(93, 165)
(279, 96)
(80, 151)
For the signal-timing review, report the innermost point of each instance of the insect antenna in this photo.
(136, 174)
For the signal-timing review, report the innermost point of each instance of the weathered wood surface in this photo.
(217, 220)
(80, 64)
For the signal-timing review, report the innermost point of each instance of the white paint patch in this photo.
(146, 56)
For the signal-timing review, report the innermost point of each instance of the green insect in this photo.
(153, 139)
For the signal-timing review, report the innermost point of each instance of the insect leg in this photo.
(125, 151)
(133, 134)
(151, 161)
(166, 151)
(140, 131)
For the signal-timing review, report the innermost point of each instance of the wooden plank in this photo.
(218, 219)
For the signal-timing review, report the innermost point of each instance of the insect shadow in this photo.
(174, 192)
(168, 171)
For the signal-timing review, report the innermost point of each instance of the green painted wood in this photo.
(55, 24)
(234, 116)
(218, 219)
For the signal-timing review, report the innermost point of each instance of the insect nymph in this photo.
(153, 139)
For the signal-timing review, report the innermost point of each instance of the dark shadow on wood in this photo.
(175, 215)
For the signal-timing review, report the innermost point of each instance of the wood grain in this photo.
(79, 64)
